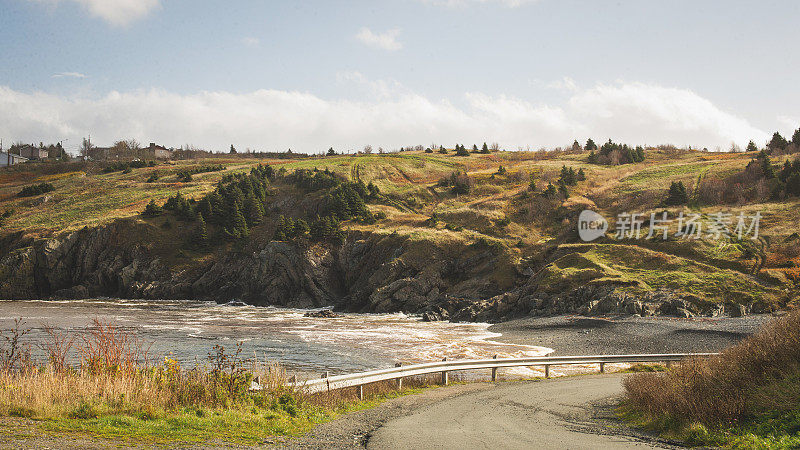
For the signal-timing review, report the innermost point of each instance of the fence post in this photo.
(547, 370)
(494, 370)
(602, 367)
(444, 374)
(399, 379)
(327, 382)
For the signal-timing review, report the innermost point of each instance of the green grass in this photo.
(236, 425)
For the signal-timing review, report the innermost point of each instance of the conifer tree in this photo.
(200, 237)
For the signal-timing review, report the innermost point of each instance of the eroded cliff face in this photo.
(367, 272)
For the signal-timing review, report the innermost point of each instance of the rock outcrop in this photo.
(367, 272)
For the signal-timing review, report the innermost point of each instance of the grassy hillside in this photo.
(502, 203)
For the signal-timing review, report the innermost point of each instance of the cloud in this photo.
(115, 12)
(384, 41)
(68, 75)
(389, 115)
(251, 41)
(647, 113)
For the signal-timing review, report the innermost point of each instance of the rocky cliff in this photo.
(367, 272)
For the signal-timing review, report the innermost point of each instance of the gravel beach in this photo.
(580, 335)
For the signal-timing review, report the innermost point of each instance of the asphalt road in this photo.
(565, 413)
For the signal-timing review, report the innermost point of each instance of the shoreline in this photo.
(583, 335)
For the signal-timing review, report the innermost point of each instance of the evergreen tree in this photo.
(442, 150)
(777, 143)
(282, 229)
(562, 189)
(639, 156)
(796, 138)
(677, 194)
(590, 145)
(331, 152)
(474, 148)
(253, 211)
(237, 224)
(592, 159)
(152, 209)
(793, 185)
(751, 147)
(766, 165)
(581, 176)
(550, 192)
(200, 236)
(461, 151)
(233, 149)
(786, 171)
(485, 148)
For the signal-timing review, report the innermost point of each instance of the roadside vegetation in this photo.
(102, 381)
(748, 397)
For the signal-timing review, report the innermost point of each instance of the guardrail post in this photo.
(327, 382)
(547, 370)
(444, 374)
(602, 367)
(494, 370)
(400, 379)
(361, 392)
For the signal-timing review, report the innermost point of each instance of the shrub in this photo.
(36, 189)
(83, 411)
(757, 378)
(153, 177)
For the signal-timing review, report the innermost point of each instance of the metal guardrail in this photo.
(328, 383)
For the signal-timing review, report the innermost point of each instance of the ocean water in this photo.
(187, 331)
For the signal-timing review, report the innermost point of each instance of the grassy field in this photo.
(500, 207)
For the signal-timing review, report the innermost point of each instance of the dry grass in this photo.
(754, 381)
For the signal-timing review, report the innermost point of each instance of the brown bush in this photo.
(757, 376)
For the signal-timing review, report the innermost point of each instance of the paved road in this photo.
(559, 413)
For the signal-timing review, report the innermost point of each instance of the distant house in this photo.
(33, 153)
(160, 152)
(9, 159)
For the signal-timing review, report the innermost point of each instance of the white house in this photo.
(8, 159)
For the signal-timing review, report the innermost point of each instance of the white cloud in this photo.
(647, 113)
(389, 115)
(251, 41)
(384, 41)
(115, 12)
(69, 75)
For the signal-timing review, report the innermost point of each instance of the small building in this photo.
(159, 152)
(33, 153)
(9, 159)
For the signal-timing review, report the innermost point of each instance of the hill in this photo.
(477, 237)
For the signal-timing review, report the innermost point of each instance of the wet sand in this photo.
(579, 335)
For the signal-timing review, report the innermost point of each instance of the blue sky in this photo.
(308, 75)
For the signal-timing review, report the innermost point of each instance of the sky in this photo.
(309, 75)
